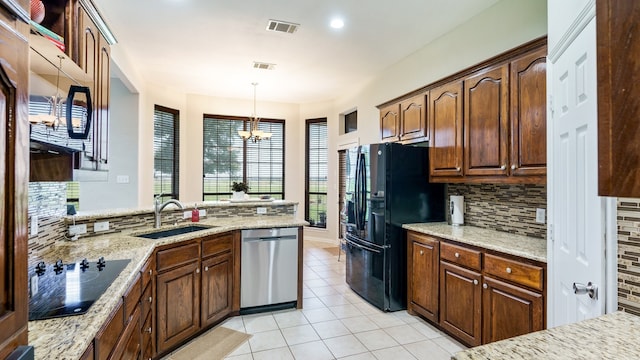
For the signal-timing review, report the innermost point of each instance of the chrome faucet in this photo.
(158, 208)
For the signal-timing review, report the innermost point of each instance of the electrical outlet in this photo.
(122, 179)
(261, 210)
(101, 226)
(186, 215)
(34, 225)
(34, 285)
(540, 215)
(77, 229)
(203, 213)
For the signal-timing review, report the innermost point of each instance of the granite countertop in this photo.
(611, 336)
(524, 246)
(68, 337)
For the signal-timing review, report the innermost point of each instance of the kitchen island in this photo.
(68, 337)
(611, 336)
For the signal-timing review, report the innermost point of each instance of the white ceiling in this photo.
(208, 46)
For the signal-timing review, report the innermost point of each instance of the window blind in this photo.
(166, 152)
(316, 174)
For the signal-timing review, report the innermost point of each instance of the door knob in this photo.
(503, 167)
(513, 167)
(590, 289)
(421, 252)
(456, 255)
(475, 282)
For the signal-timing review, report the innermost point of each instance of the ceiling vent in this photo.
(282, 26)
(263, 65)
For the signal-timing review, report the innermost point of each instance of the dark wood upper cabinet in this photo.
(486, 122)
(618, 47)
(413, 118)
(14, 157)
(529, 114)
(389, 123)
(445, 118)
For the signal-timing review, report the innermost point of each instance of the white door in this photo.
(577, 224)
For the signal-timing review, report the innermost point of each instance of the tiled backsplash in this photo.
(509, 208)
(629, 255)
(47, 201)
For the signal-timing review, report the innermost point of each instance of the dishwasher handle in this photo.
(270, 238)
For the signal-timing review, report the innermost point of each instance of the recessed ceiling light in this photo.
(337, 23)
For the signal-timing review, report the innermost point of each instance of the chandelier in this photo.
(254, 134)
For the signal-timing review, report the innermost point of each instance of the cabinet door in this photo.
(445, 117)
(14, 137)
(413, 118)
(102, 122)
(389, 123)
(88, 57)
(486, 122)
(178, 311)
(129, 346)
(217, 281)
(460, 303)
(509, 310)
(529, 115)
(424, 277)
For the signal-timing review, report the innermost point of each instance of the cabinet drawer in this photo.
(131, 298)
(147, 271)
(512, 270)
(460, 255)
(109, 334)
(217, 244)
(147, 331)
(146, 301)
(178, 255)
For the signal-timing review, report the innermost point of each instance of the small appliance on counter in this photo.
(456, 205)
(60, 289)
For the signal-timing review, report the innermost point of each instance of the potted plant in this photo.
(239, 190)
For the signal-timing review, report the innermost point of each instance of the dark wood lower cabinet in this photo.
(509, 310)
(129, 346)
(460, 302)
(178, 305)
(217, 288)
(423, 279)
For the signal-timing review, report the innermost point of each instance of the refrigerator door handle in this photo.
(363, 178)
(356, 202)
(362, 247)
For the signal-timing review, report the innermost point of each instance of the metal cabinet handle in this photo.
(513, 167)
(149, 330)
(458, 169)
(198, 271)
(581, 289)
(150, 272)
(421, 252)
(484, 286)
(456, 255)
(150, 299)
(508, 270)
(475, 282)
(206, 268)
(503, 167)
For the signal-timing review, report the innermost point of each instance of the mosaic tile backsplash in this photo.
(629, 255)
(508, 208)
(47, 201)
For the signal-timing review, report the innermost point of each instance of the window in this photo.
(228, 158)
(351, 122)
(166, 137)
(316, 173)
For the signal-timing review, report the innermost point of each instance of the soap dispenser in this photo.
(195, 214)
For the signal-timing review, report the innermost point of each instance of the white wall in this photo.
(505, 25)
(123, 156)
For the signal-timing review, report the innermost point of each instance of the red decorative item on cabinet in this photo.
(37, 11)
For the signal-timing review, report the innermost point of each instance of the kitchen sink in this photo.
(173, 232)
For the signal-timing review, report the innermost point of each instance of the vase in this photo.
(238, 195)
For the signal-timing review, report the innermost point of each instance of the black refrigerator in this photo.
(387, 186)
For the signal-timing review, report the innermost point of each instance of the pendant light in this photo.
(254, 134)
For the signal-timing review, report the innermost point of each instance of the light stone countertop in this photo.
(68, 337)
(524, 246)
(611, 336)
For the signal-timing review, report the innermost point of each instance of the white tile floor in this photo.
(336, 323)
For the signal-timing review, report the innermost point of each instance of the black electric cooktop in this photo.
(70, 289)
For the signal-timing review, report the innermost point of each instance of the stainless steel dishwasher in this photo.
(269, 268)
